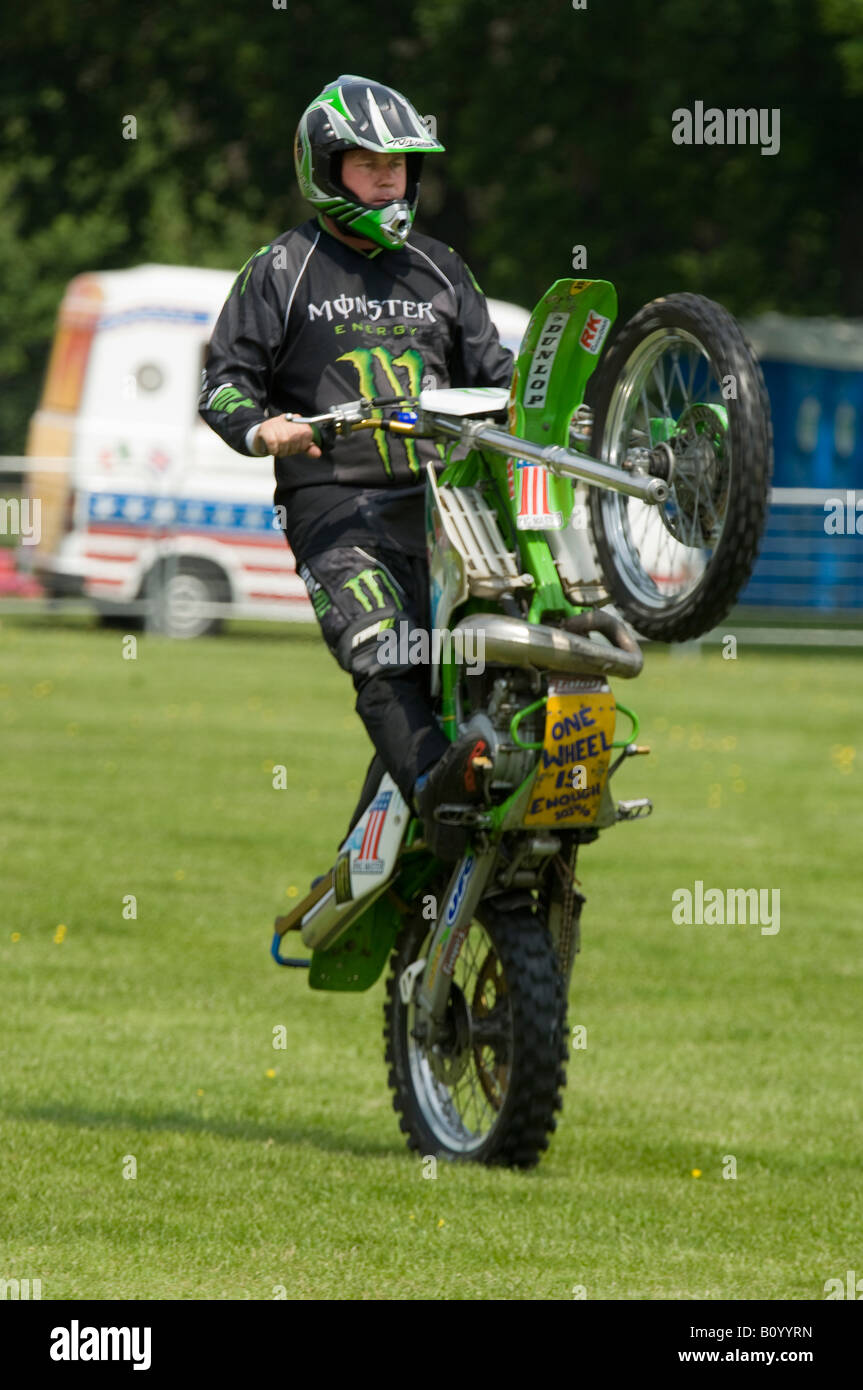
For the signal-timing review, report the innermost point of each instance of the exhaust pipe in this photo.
(513, 642)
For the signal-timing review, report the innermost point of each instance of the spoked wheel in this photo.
(488, 1091)
(682, 378)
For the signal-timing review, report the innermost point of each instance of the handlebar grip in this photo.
(323, 432)
(324, 435)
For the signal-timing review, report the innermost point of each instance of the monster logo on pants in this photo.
(370, 578)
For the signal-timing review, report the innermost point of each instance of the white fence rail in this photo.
(791, 566)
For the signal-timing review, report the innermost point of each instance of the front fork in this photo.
(427, 982)
(430, 990)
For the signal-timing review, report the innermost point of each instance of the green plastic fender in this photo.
(559, 351)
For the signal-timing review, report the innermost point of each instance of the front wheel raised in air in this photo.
(489, 1090)
(681, 392)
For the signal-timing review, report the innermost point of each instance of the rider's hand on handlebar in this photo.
(280, 436)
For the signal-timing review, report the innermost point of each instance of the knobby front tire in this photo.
(491, 1093)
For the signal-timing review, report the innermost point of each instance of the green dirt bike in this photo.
(551, 527)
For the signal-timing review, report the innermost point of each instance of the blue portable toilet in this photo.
(811, 556)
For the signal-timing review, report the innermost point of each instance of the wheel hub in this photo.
(449, 1056)
(491, 1053)
(694, 513)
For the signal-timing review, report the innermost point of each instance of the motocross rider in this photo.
(354, 303)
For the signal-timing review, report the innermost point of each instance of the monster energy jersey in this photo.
(311, 323)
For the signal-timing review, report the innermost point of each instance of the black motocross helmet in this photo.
(355, 113)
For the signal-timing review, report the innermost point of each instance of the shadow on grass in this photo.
(185, 1121)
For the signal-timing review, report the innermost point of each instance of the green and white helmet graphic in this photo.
(355, 113)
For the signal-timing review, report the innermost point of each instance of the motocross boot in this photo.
(454, 780)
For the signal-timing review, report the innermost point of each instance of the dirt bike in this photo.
(651, 500)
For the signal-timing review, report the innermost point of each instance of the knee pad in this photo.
(360, 605)
(385, 649)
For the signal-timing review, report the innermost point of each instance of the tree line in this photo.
(165, 135)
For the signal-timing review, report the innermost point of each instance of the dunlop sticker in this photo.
(539, 372)
(579, 729)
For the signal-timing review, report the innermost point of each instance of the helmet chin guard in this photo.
(355, 113)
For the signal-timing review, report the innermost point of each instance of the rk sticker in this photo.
(594, 331)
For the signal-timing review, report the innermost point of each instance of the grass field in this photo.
(261, 1171)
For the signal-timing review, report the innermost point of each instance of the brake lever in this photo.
(353, 415)
(339, 420)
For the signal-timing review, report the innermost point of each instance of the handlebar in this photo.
(410, 420)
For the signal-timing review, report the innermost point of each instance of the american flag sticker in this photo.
(534, 512)
(367, 861)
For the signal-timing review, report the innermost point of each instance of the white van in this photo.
(144, 508)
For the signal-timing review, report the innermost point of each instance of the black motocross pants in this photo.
(367, 602)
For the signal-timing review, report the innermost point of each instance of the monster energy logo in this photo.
(376, 369)
(228, 399)
(370, 578)
(371, 308)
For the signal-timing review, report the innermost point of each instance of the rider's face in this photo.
(375, 178)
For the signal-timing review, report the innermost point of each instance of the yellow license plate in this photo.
(573, 764)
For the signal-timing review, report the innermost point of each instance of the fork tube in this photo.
(563, 462)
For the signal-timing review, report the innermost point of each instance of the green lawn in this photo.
(150, 1038)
